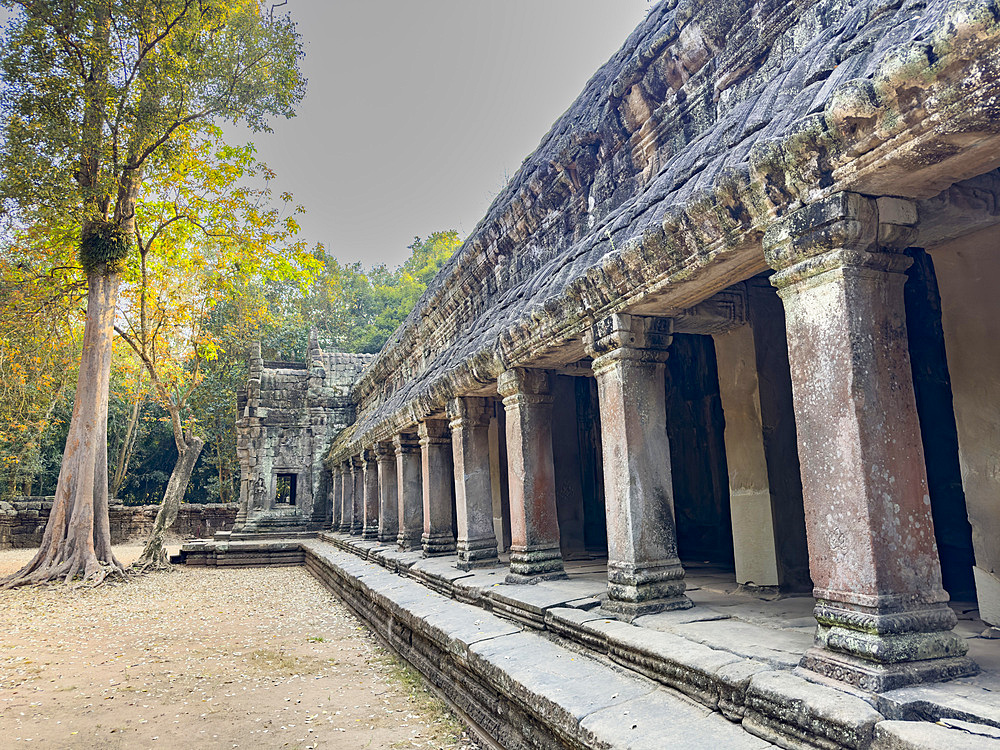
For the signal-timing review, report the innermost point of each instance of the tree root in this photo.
(82, 566)
(152, 561)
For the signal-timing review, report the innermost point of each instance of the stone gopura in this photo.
(737, 307)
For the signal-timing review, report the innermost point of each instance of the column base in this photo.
(388, 537)
(408, 542)
(356, 529)
(477, 553)
(532, 566)
(344, 528)
(369, 533)
(879, 678)
(438, 544)
(651, 587)
(629, 611)
(882, 650)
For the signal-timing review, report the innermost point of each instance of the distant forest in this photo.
(202, 354)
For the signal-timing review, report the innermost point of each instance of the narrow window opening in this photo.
(285, 489)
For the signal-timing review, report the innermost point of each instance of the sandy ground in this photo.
(202, 658)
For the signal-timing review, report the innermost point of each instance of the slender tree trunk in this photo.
(154, 557)
(125, 454)
(77, 538)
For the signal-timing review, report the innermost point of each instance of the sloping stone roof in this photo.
(652, 191)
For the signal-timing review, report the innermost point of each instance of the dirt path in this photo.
(202, 658)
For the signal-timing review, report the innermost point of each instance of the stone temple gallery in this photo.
(696, 439)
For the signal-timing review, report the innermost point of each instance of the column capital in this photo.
(520, 381)
(844, 229)
(468, 411)
(625, 331)
(368, 455)
(384, 451)
(357, 461)
(433, 431)
(405, 442)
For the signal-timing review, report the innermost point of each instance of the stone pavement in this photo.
(536, 664)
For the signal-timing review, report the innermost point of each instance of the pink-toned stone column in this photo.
(644, 572)
(358, 496)
(534, 525)
(346, 498)
(437, 473)
(388, 509)
(409, 485)
(470, 443)
(883, 615)
(336, 492)
(369, 529)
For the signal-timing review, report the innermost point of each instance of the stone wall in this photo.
(22, 521)
(289, 416)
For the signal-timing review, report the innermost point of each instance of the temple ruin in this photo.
(737, 310)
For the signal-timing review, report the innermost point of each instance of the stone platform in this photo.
(542, 666)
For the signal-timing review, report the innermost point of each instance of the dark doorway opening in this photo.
(695, 426)
(938, 429)
(285, 489)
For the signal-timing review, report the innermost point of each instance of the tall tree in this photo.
(94, 90)
(204, 224)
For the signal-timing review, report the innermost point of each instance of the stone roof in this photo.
(652, 191)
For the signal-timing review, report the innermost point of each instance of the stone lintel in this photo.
(720, 313)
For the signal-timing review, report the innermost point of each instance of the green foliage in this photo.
(104, 247)
(354, 309)
(93, 91)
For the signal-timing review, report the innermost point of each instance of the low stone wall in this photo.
(22, 520)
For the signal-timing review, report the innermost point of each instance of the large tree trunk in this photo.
(154, 557)
(77, 539)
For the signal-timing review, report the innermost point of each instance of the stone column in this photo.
(370, 527)
(436, 469)
(749, 491)
(644, 572)
(358, 496)
(534, 524)
(410, 488)
(388, 493)
(337, 493)
(470, 443)
(883, 615)
(346, 498)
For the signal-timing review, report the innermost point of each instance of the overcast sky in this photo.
(417, 112)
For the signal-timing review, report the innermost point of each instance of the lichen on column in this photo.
(883, 615)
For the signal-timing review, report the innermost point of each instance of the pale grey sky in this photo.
(417, 112)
